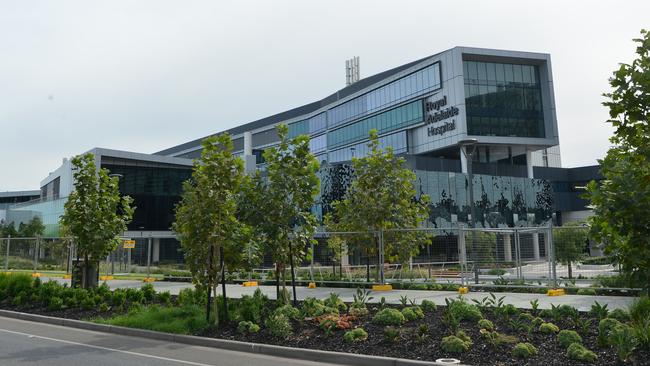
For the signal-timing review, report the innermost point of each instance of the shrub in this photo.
(312, 307)
(391, 334)
(462, 310)
(428, 306)
(486, 324)
(56, 303)
(11, 285)
(418, 286)
(640, 309)
(119, 298)
(623, 339)
(251, 307)
(164, 298)
(526, 317)
(355, 335)
(566, 337)
(587, 291)
(619, 314)
(567, 311)
(148, 292)
(389, 317)
(578, 352)
(188, 297)
(497, 272)
(412, 313)
(357, 311)
(456, 343)
(524, 350)
(605, 329)
(508, 310)
(247, 327)
(334, 301)
(134, 295)
(536, 322)
(496, 339)
(20, 299)
(289, 311)
(548, 328)
(279, 326)
(103, 307)
(599, 311)
(88, 303)
(546, 313)
(642, 332)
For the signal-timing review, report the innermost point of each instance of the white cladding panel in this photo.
(440, 132)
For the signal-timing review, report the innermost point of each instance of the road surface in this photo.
(24, 343)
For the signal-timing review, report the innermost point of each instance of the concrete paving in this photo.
(520, 300)
(25, 343)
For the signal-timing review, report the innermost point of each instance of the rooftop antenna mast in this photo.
(352, 70)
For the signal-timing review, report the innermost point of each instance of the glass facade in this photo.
(155, 192)
(503, 99)
(410, 86)
(394, 119)
(397, 141)
(308, 126)
(318, 144)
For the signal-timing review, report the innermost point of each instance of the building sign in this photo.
(437, 111)
(128, 244)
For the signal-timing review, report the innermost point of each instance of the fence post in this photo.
(381, 257)
(462, 255)
(149, 257)
(7, 257)
(36, 249)
(518, 264)
(552, 255)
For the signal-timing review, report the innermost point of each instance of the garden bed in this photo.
(327, 325)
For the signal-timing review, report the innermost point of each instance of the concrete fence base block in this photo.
(256, 348)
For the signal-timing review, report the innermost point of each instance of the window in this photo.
(503, 99)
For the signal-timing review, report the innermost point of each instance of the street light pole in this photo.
(468, 146)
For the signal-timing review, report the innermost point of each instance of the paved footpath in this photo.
(520, 300)
(24, 343)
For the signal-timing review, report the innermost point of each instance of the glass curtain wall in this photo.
(400, 117)
(503, 99)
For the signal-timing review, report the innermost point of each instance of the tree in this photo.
(31, 229)
(569, 244)
(381, 200)
(280, 204)
(95, 214)
(211, 236)
(621, 202)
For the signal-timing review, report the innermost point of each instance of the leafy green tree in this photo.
(31, 229)
(211, 236)
(569, 243)
(95, 214)
(621, 202)
(280, 202)
(381, 197)
(8, 229)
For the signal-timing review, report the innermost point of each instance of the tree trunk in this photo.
(367, 267)
(223, 285)
(570, 270)
(277, 281)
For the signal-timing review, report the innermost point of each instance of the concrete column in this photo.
(249, 158)
(507, 248)
(345, 258)
(536, 246)
(529, 164)
(463, 160)
(155, 256)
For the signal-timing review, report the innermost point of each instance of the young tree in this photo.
(281, 202)
(569, 243)
(381, 200)
(211, 236)
(621, 202)
(95, 214)
(31, 229)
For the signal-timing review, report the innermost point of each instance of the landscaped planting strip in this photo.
(264, 349)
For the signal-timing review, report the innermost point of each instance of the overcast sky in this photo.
(146, 75)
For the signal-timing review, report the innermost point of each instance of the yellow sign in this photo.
(128, 244)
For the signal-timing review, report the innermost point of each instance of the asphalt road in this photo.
(25, 343)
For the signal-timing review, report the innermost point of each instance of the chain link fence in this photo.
(522, 256)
